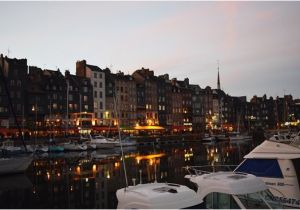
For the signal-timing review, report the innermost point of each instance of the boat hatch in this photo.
(261, 168)
(173, 185)
(237, 176)
(165, 189)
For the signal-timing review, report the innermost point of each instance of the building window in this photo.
(70, 106)
(95, 75)
(100, 76)
(70, 97)
(85, 98)
(86, 107)
(54, 106)
(95, 84)
(101, 105)
(85, 89)
(100, 94)
(100, 84)
(95, 94)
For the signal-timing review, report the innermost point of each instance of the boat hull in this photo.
(14, 165)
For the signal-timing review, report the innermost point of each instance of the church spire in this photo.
(219, 86)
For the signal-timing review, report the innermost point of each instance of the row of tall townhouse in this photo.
(47, 99)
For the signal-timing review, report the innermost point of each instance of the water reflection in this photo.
(90, 179)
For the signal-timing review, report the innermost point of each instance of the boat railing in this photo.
(200, 170)
(296, 140)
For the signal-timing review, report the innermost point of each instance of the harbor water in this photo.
(90, 179)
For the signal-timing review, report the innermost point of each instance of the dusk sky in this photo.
(256, 43)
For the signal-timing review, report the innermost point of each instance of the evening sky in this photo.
(256, 43)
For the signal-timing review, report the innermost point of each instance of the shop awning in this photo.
(149, 127)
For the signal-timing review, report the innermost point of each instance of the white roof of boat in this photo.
(157, 196)
(272, 149)
(228, 183)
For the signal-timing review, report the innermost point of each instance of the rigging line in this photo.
(11, 105)
(118, 124)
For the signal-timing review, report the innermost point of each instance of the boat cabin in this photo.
(158, 196)
(227, 190)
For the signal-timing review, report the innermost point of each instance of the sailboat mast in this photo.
(67, 117)
(119, 132)
(80, 119)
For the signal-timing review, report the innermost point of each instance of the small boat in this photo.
(126, 142)
(102, 142)
(74, 146)
(211, 139)
(231, 190)
(55, 148)
(236, 136)
(41, 148)
(278, 164)
(9, 148)
(90, 145)
(157, 196)
(13, 165)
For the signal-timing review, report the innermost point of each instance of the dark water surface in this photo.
(90, 179)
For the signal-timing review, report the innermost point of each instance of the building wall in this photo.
(15, 73)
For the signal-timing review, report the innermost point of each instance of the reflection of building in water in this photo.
(63, 183)
(222, 154)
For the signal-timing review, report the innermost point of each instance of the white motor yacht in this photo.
(157, 196)
(278, 164)
(230, 190)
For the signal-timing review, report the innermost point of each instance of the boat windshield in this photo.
(259, 200)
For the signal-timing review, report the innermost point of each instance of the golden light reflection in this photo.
(48, 175)
(117, 164)
(108, 175)
(151, 162)
(149, 157)
(94, 168)
(78, 169)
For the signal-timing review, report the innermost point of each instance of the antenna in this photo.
(8, 51)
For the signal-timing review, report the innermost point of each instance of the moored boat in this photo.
(157, 196)
(230, 190)
(13, 165)
(278, 164)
